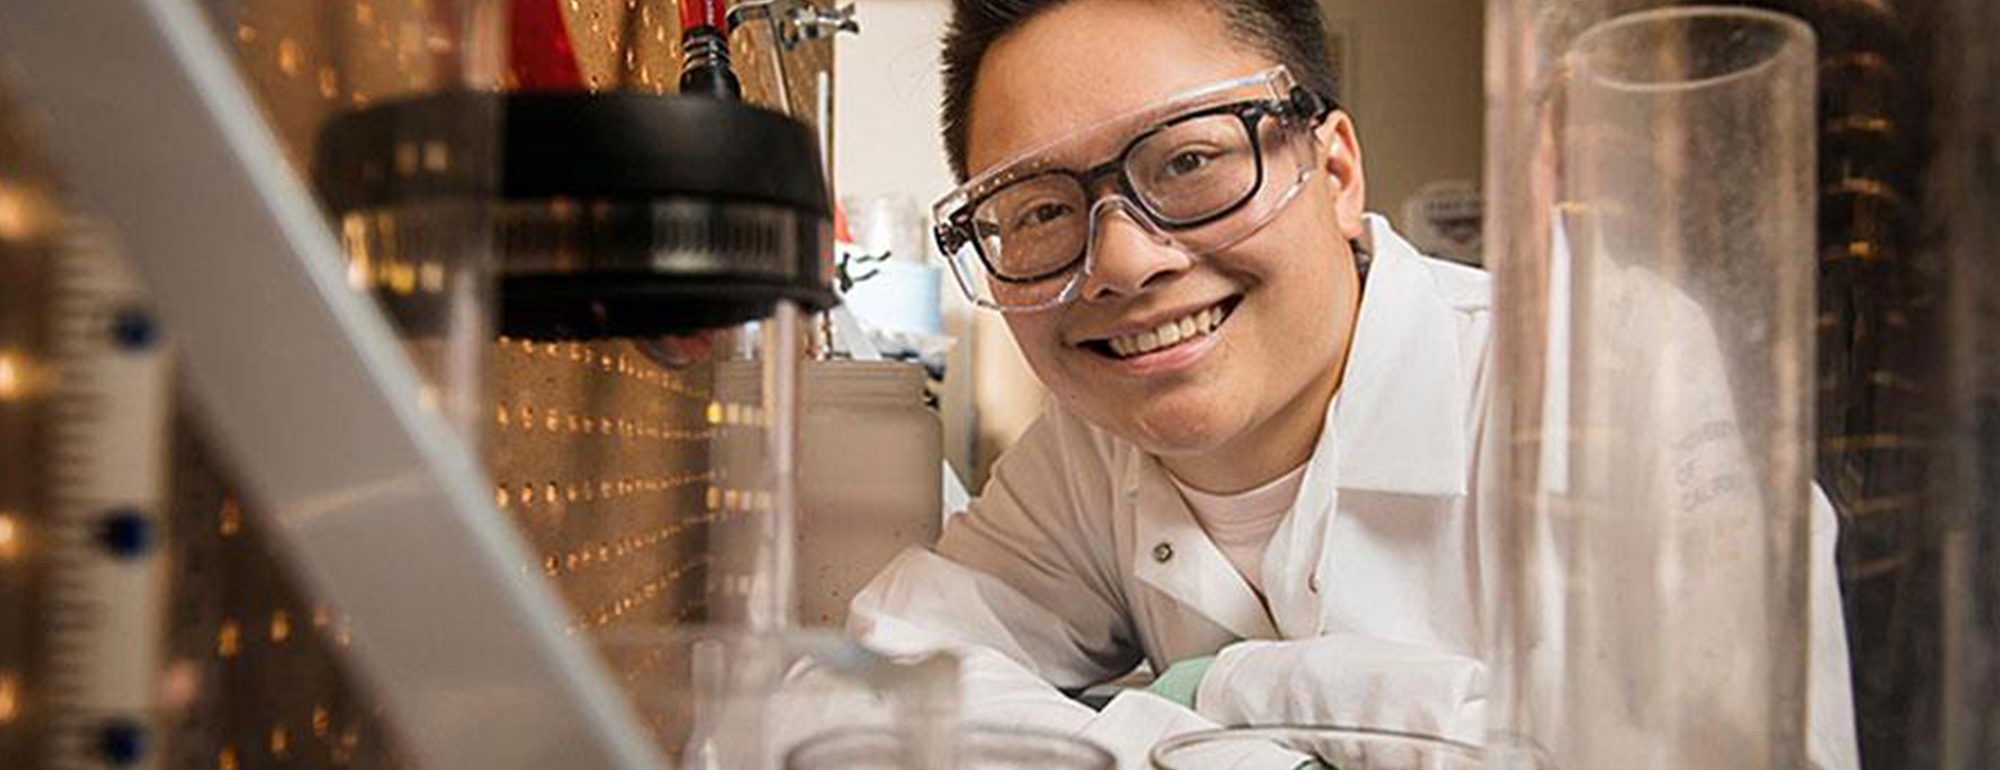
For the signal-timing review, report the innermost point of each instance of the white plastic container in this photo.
(869, 481)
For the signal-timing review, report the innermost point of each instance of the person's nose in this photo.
(1126, 256)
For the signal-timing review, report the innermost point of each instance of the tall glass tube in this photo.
(1961, 221)
(1653, 175)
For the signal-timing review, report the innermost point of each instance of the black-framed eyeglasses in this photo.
(1186, 172)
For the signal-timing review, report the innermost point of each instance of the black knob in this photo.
(126, 533)
(133, 329)
(121, 742)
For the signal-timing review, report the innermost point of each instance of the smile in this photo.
(1180, 331)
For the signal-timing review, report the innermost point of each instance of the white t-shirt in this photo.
(1241, 524)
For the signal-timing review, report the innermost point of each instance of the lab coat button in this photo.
(1312, 583)
(1163, 552)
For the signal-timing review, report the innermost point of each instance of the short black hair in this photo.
(1290, 32)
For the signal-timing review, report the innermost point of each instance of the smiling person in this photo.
(1259, 468)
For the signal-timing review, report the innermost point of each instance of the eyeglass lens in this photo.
(1182, 173)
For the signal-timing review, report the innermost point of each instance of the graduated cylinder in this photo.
(1653, 176)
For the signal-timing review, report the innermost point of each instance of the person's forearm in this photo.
(1346, 679)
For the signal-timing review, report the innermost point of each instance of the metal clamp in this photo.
(847, 268)
(796, 21)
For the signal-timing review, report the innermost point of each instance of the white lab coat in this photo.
(1080, 559)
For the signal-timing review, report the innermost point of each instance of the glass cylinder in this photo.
(1959, 216)
(751, 543)
(1653, 175)
(361, 96)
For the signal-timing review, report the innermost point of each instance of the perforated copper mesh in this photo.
(599, 454)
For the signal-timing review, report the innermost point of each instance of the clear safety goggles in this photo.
(1201, 172)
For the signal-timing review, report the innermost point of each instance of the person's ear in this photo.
(1342, 159)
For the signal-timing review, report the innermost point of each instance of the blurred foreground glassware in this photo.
(418, 234)
(1653, 180)
(1343, 748)
(727, 697)
(973, 748)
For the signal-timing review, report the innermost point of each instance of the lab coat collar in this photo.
(1401, 410)
(1174, 555)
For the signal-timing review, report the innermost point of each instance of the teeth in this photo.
(1167, 334)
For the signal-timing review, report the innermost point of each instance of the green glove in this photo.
(1183, 678)
(1179, 682)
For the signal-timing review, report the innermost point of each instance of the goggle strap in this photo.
(1307, 103)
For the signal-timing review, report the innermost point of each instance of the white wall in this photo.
(886, 142)
(1417, 97)
(886, 95)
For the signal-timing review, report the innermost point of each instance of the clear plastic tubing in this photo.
(1653, 194)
